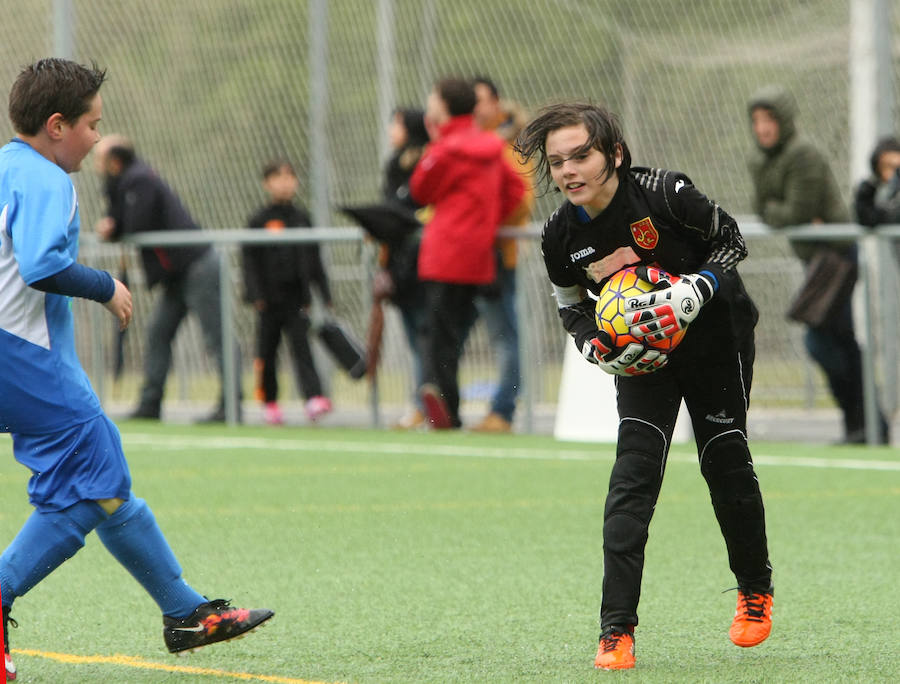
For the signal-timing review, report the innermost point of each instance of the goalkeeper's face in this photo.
(579, 170)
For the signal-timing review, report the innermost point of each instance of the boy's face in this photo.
(579, 173)
(281, 185)
(78, 137)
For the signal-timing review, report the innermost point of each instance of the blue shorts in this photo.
(82, 463)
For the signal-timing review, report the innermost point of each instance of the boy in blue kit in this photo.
(80, 479)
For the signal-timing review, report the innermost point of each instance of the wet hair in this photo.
(273, 166)
(458, 94)
(488, 83)
(51, 86)
(887, 144)
(603, 129)
(414, 123)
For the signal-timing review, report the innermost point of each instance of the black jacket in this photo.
(276, 273)
(877, 203)
(656, 217)
(140, 201)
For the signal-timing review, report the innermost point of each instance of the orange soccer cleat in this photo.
(752, 619)
(616, 649)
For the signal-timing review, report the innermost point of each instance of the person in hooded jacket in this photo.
(877, 198)
(472, 188)
(795, 185)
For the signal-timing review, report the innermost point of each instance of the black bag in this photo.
(344, 349)
(828, 284)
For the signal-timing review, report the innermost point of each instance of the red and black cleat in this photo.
(209, 623)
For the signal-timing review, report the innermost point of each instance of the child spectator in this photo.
(278, 282)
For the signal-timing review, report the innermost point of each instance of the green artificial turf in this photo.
(453, 557)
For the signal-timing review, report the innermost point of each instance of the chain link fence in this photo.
(211, 89)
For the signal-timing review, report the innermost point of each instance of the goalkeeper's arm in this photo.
(576, 311)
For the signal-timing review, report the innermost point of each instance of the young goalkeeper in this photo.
(614, 216)
(80, 480)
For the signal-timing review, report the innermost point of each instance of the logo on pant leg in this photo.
(720, 417)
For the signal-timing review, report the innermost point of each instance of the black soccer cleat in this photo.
(209, 623)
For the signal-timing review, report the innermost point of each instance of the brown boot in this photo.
(493, 422)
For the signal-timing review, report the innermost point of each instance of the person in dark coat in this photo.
(187, 278)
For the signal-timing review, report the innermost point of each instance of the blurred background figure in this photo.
(138, 200)
(465, 176)
(278, 282)
(496, 303)
(396, 280)
(794, 185)
(877, 199)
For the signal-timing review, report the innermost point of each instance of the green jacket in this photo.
(792, 180)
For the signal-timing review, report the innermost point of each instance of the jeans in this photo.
(499, 313)
(411, 313)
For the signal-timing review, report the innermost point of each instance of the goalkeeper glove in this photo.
(635, 359)
(669, 309)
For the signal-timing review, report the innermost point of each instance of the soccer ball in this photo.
(610, 311)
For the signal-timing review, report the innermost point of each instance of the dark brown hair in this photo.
(604, 133)
(458, 94)
(51, 86)
(274, 166)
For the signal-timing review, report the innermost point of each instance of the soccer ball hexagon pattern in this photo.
(610, 310)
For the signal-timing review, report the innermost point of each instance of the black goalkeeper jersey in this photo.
(656, 217)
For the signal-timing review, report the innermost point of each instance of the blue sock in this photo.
(133, 537)
(44, 542)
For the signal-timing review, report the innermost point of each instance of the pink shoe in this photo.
(272, 413)
(316, 407)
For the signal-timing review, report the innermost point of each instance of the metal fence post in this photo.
(528, 371)
(229, 360)
(867, 247)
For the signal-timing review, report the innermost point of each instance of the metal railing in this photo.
(876, 257)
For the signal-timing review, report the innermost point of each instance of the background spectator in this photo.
(188, 277)
(464, 175)
(877, 199)
(497, 303)
(278, 281)
(397, 280)
(794, 185)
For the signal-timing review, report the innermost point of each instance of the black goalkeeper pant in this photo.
(714, 379)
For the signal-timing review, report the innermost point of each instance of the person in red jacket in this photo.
(471, 188)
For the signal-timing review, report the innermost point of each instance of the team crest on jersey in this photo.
(644, 233)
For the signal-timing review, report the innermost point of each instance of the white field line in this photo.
(602, 453)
